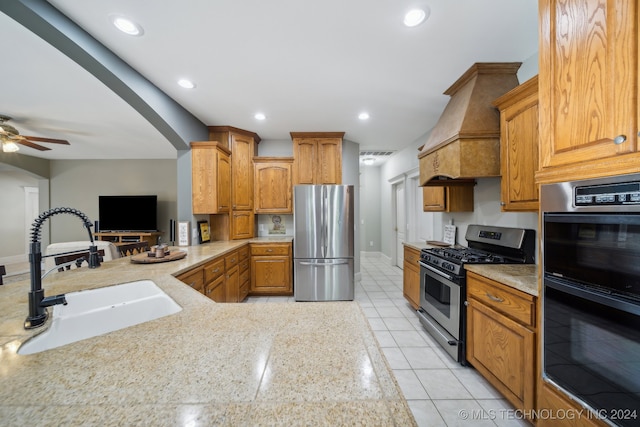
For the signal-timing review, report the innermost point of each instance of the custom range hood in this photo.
(465, 143)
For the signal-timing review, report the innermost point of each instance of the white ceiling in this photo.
(309, 66)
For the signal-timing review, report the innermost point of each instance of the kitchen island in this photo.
(209, 364)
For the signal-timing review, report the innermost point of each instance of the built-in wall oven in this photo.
(591, 294)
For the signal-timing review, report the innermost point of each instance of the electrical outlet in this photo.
(371, 243)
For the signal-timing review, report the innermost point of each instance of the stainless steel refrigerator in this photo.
(323, 242)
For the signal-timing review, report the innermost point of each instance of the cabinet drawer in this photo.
(231, 260)
(268, 250)
(243, 265)
(244, 277)
(411, 256)
(213, 270)
(243, 254)
(504, 299)
(193, 278)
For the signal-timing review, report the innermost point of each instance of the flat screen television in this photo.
(128, 213)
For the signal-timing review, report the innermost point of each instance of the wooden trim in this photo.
(232, 129)
(206, 144)
(273, 159)
(317, 134)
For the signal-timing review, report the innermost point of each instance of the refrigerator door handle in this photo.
(325, 219)
(323, 264)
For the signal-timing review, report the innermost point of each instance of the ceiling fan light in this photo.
(9, 147)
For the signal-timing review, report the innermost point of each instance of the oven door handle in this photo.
(435, 270)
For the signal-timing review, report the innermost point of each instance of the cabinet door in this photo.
(242, 224)
(271, 275)
(273, 189)
(232, 285)
(210, 180)
(519, 147)
(305, 153)
(588, 80)
(224, 182)
(447, 199)
(503, 351)
(329, 166)
(216, 290)
(242, 148)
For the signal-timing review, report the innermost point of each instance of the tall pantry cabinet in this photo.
(240, 221)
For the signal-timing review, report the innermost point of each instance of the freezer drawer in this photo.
(323, 279)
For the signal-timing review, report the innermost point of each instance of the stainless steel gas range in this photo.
(443, 279)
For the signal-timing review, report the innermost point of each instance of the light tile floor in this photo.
(440, 392)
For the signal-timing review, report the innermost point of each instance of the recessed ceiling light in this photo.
(416, 17)
(363, 116)
(187, 84)
(259, 116)
(369, 161)
(126, 25)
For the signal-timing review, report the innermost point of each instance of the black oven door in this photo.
(592, 348)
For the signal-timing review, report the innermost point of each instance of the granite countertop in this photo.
(209, 364)
(523, 277)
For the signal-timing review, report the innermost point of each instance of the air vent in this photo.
(376, 153)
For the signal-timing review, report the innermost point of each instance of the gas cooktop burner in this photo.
(464, 255)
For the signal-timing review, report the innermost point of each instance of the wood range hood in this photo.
(465, 142)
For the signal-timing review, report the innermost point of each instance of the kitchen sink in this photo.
(96, 312)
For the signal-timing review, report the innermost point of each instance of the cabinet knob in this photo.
(619, 139)
(269, 250)
(503, 204)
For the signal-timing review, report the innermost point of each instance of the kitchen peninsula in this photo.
(209, 364)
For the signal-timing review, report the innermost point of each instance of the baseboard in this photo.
(14, 259)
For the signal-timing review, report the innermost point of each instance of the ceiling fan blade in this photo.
(41, 139)
(32, 145)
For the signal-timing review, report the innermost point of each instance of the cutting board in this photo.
(144, 257)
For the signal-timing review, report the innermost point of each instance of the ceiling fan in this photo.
(10, 137)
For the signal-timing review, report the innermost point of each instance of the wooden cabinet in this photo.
(588, 83)
(273, 185)
(194, 278)
(129, 236)
(216, 290)
(244, 272)
(411, 276)
(501, 338)
(210, 178)
(317, 157)
(242, 224)
(519, 147)
(553, 402)
(457, 198)
(271, 269)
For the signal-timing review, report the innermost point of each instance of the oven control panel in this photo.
(624, 193)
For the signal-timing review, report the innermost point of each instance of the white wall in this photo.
(14, 232)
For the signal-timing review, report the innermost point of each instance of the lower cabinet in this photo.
(216, 290)
(411, 277)
(194, 278)
(501, 338)
(232, 286)
(271, 269)
(244, 272)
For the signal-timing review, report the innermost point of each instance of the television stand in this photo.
(123, 237)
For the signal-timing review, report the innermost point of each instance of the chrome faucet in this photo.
(37, 301)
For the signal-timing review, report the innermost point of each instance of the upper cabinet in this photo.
(242, 145)
(588, 82)
(317, 157)
(273, 185)
(454, 198)
(210, 178)
(519, 147)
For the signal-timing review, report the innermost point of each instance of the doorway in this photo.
(401, 222)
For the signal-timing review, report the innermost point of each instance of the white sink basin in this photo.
(98, 311)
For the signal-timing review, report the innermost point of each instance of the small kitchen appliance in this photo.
(443, 278)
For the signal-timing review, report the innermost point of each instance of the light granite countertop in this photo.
(209, 364)
(523, 277)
